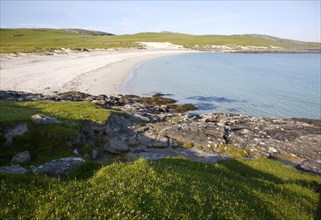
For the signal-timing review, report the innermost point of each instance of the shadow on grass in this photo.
(44, 142)
(318, 212)
(235, 189)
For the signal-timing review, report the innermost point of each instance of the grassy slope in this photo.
(46, 142)
(40, 40)
(71, 111)
(165, 189)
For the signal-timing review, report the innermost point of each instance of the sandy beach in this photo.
(98, 72)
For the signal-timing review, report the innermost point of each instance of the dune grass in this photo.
(42, 40)
(165, 189)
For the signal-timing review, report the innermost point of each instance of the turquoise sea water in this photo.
(269, 85)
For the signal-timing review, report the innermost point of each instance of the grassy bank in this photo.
(11, 112)
(165, 189)
(46, 142)
(42, 40)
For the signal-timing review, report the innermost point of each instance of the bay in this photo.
(266, 85)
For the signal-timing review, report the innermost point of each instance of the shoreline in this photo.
(292, 141)
(97, 72)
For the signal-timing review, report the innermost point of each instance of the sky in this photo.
(297, 20)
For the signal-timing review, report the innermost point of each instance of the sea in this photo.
(264, 85)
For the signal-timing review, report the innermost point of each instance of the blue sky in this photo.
(299, 20)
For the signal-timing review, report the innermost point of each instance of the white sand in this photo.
(99, 72)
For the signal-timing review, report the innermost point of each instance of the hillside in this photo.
(86, 32)
(44, 40)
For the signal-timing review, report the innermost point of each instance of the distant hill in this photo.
(87, 32)
(42, 40)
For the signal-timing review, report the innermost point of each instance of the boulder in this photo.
(21, 157)
(15, 169)
(16, 130)
(310, 166)
(144, 140)
(116, 145)
(160, 142)
(131, 156)
(58, 167)
(94, 154)
(44, 119)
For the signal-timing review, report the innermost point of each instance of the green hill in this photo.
(42, 40)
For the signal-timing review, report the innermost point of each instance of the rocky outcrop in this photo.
(58, 167)
(150, 128)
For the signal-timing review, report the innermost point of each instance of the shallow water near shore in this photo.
(267, 85)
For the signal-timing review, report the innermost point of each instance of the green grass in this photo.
(47, 142)
(42, 40)
(70, 111)
(165, 189)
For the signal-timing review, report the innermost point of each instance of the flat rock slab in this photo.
(116, 145)
(58, 167)
(192, 154)
(310, 166)
(15, 169)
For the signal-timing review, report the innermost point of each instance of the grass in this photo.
(47, 142)
(165, 189)
(44, 40)
(70, 111)
(235, 152)
(44, 143)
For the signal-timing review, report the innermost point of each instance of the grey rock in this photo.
(116, 145)
(15, 169)
(16, 130)
(59, 167)
(117, 123)
(146, 141)
(272, 150)
(75, 151)
(131, 140)
(143, 118)
(310, 166)
(190, 154)
(139, 148)
(142, 129)
(21, 157)
(94, 154)
(131, 156)
(44, 119)
(160, 142)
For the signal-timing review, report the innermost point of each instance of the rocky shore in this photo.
(155, 127)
